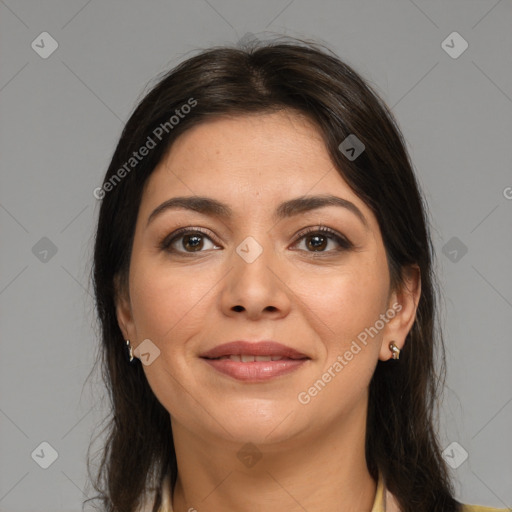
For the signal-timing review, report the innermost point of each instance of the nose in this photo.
(256, 285)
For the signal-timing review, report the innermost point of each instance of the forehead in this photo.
(246, 161)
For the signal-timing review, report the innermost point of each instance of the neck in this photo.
(324, 471)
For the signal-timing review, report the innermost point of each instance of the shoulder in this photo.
(479, 508)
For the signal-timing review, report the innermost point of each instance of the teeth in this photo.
(245, 358)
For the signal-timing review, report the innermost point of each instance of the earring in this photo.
(395, 350)
(130, 351)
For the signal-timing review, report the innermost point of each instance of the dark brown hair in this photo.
(260, 77)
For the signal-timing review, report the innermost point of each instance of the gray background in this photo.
(61, 118)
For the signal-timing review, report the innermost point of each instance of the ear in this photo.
(404, 302)
(124, 310)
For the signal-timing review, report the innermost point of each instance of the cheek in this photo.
(167, 301)
(349, 302)
(346, 301)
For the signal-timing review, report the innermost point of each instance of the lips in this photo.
(254, 361)
(258, 349)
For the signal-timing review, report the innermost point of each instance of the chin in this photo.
(260, 425)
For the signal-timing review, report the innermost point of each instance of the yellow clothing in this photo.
(478, 508)
(384, 501)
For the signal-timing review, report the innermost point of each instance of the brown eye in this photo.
(317, 240)
(195, 242)
(187, 241)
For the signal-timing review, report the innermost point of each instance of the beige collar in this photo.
(384, 500)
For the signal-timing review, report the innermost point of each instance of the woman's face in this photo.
(252, 273)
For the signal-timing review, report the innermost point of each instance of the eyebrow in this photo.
(212, 207)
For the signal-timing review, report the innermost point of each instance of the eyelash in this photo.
(344, 243)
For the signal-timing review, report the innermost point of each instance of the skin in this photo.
(314, 300)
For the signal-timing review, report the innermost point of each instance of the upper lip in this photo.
(253, 348)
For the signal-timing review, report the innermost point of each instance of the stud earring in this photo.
(130, 351)
(395, 350)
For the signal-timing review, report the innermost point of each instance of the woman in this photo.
(263, 257)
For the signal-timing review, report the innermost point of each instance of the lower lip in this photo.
(255, 371)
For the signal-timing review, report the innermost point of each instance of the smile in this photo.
(249, 368)
(246, 358)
